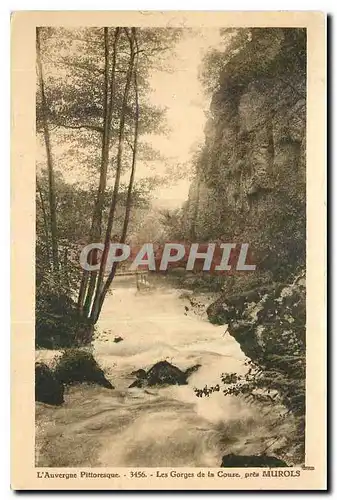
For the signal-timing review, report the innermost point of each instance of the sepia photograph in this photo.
(170, 251)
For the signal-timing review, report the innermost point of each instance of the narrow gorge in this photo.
(182, 368)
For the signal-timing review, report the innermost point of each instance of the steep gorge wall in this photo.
(252, 166)
(250, 187)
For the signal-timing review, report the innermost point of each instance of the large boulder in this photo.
(162, 373)
(48, 389)
(251, 461)
(77, 366)
(139, 383)
(191, 370)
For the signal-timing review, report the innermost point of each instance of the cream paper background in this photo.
(23, 144)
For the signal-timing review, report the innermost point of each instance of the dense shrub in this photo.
(77, 365)
(48, 389)
(57, 323)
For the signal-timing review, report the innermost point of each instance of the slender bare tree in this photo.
(102, 291)
(121, 141)
(50, 165)
(86, 292)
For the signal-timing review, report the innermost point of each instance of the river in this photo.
(153, 427)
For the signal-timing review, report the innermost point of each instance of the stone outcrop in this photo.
(79, 366)
(48, 389)
(269, 325)
(251, 461)
(75, 366)
(161, 374)
(191, 370)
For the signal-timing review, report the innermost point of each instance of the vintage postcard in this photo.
(168, 251)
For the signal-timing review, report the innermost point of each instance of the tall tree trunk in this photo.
(109, 96)
(134, 151)
(45, 220)
(195, 209)
(101, 294)
(100, 285)
(85, 293)
(66, 274)
(97, 216)
(50, 166)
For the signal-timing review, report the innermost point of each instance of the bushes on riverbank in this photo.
(57, 324)
(75, 366)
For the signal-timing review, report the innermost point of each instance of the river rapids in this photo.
(155, 426)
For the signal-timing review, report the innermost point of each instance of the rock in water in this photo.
(191, 370)
(251, 461)
(76, 366)
(163, 373)
(48, 389)
(141, 379)
(139, 383)
(139, 373)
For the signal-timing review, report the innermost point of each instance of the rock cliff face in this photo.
(269, 325)
(253, 159)
(250, 187)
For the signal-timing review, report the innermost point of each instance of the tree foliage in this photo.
(93, 108)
